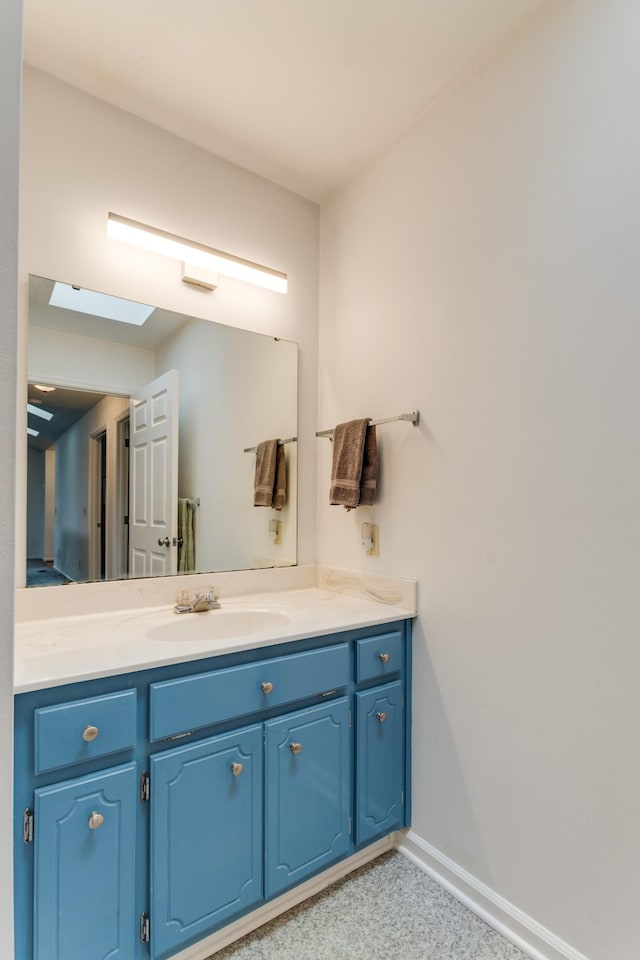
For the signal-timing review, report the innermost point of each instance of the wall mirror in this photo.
(145, 422)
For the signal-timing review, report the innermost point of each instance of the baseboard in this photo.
(516, 926)
(204, 949)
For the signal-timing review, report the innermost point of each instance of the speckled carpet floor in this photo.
(386, 910)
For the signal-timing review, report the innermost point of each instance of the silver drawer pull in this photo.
(381, 716)
(295, 748)
(266, 687)
(237, 768)
(89, 734)
(95, 821)
(384, 657)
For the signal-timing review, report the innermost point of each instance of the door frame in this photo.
(121, 532)
(95, 501)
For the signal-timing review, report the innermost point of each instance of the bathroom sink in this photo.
(217, 625)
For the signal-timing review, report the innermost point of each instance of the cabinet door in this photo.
(379, 760)
(85, 867)
(206, 836)
(307, 793)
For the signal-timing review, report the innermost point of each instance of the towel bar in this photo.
(280, 443)
(413, 418)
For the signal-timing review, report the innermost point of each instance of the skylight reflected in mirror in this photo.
(99, 304)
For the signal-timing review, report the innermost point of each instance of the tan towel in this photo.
(280, 486)
(265, 476)
(346, 466)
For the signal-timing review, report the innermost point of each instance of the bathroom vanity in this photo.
(164, 794)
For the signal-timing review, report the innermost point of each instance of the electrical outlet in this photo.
(275, 531)
(370, 539)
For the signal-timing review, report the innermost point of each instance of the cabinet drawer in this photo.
(378, 657)
(199, 701)
(70, 733)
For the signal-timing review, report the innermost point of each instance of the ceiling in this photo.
(66, 406)
(302, 92)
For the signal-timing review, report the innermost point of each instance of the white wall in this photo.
(485, 271)
(251, 385)
(85, 363)
(10, 66)
(82, 158)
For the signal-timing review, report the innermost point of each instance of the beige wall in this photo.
(485, 270)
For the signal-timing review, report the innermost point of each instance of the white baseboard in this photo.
(204, 949)
(520, 929)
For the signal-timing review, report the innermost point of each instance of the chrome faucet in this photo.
(188, 601)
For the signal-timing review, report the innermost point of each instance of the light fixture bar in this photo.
(179, 248)
(37, 412)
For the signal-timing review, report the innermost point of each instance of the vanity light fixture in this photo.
(43, 388)
(179, 248)
(37, 412)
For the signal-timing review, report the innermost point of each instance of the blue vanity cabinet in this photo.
(154, 807)
(307, 793)
(206, 836)
(85, 867)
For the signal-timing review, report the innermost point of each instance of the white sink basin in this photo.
(217, 625)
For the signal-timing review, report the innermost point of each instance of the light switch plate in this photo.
(371, 539)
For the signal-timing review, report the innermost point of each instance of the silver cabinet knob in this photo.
(384, 657)
(164, 542)
(267, 687)
(295, 748)
(237, 768)
(95, 821)
(90, 733)
(381, 716)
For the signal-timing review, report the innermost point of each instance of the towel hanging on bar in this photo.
(270, 482)
(186, 535)
(354, 467)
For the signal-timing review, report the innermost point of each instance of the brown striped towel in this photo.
(354, 467)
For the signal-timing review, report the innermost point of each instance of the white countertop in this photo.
(52, 652)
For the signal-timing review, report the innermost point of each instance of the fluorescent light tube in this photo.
(178, 248)
(38, 412)
(32, 432)
(99, 304)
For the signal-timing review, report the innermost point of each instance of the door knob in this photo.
(90, 733)
(95, 821)
(295, 748)
(237, 768)
(164, 542)
(266, 687)
(381, 716)
(383, 657)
